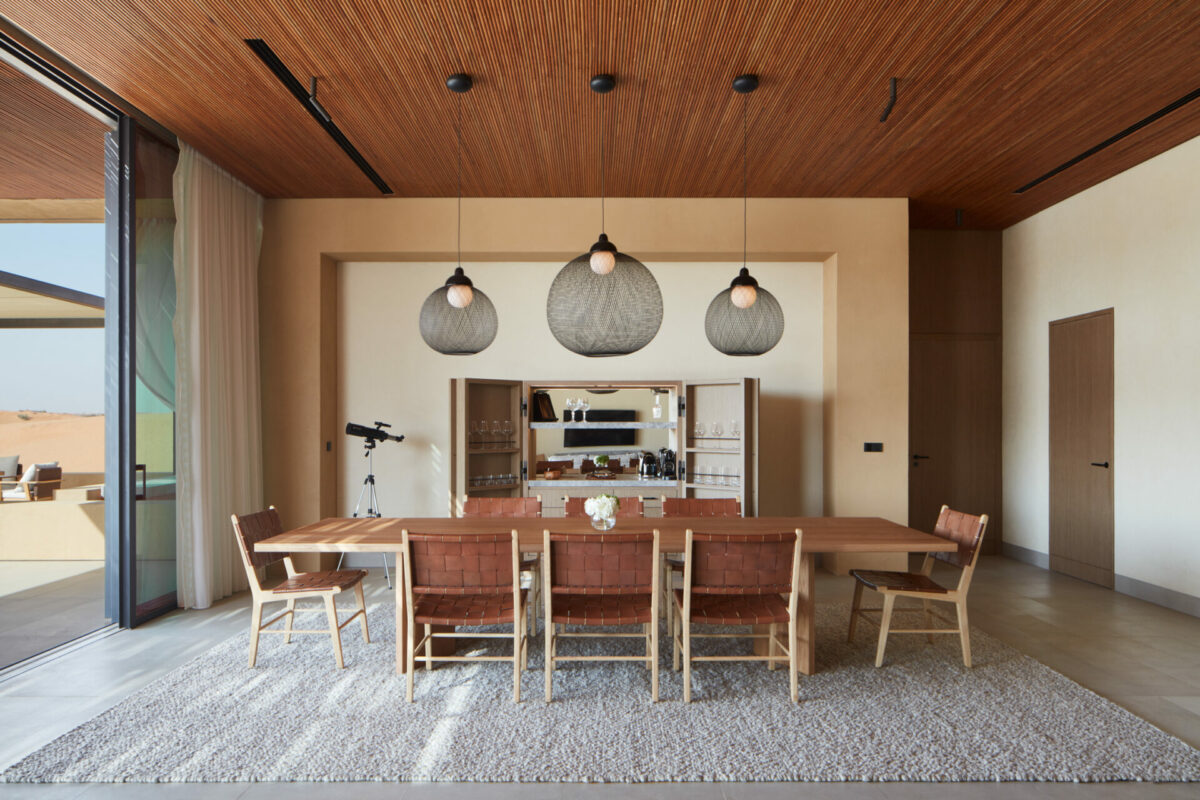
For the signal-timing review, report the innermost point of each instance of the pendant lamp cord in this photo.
(602, 163)
(458, 127)
(745, 180)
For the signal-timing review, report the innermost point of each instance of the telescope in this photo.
(372, 435)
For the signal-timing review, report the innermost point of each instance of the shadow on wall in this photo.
(790, 478)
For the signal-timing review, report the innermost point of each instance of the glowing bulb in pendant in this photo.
(460, 295)
(602, 262)
(743, 296)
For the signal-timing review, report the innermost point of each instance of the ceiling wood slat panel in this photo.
(991, 93)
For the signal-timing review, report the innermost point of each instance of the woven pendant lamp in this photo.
(458, 319)
(745, 319)
(604, 302)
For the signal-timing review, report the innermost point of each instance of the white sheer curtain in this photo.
(218, 232)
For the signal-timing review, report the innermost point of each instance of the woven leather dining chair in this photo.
(739, 579)
(507, 508)
(463, 579)
(601, 579)
(690, 507)
(249, 529)
(631, 508)
(964, 529)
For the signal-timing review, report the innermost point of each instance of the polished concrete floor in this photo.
(1142, 656)
(46, 603)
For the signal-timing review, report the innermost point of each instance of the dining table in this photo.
(819, 535)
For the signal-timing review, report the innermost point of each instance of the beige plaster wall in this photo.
(1131, 243)
(862, 242)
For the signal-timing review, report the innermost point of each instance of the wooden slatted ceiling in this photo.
(992, 94)
(49, 149)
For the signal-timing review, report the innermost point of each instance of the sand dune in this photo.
(75, 441)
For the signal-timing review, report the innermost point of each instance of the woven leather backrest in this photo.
(468, 563)
(631, 508)
(502, 507)
(253, 528)
(701, 507)
(964, 529)
(725, 563)
(601, 563)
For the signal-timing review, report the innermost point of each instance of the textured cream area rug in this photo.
(922, 717)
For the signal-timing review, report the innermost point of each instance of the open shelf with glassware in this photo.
(549, 438)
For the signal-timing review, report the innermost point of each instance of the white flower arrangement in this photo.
(603, 506)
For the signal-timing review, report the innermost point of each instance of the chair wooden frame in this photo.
(37, 488)
(696, 507)
(552, 634)
(327, 593)
(682, 628)
(530, 564)
(956, 596)
(519, 636)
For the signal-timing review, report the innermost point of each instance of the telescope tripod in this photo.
(368, 494)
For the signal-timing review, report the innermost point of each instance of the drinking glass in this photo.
(569, 405)
(716, 432)
(584, 405)
(734, 430)
(497, 434)
(508, 431)
(735, 477)
(699, 431)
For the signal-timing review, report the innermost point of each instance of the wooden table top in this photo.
(820, 534)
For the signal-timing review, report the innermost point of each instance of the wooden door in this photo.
(1081, 447)
(954, 429)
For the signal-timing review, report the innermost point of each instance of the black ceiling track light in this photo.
(745, 319)
(308, 99)
(1134, 128)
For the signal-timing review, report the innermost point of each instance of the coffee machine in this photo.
(666, 464)
(648, 467)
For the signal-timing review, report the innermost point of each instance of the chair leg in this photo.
(291, 608)
(885, 622)
(646, 632)
(334, 633)
(676, 632)
(687, 659)
(771, 646)
(255, 624)
(410, 660)
(362, 606)
(654, 661)
(794, 660)
(928, 619)
(854, 610)
(548, 644)
(428, 648)
(518, 629)
(964, 632)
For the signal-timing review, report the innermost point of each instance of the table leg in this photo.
(806, 611)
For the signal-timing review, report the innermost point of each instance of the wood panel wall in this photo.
(955, 376)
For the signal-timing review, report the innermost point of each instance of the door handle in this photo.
(1100, 464)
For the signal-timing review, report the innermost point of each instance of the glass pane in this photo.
(154, 349)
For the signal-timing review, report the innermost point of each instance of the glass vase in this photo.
(603, 523)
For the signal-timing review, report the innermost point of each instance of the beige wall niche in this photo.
(862, 243)
(387, 372)
(1130, 243)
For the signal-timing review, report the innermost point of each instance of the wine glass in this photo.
(497, 434)
(698, 433)
(734, 431)
(508, 431)
(716, 432)
(473, 434)
(569, 406)
(584, 405)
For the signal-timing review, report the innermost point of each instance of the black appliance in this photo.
(648, 468)
(666, 464)
(602, 437)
